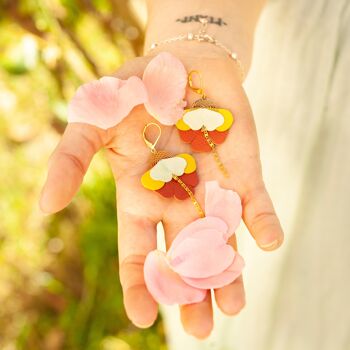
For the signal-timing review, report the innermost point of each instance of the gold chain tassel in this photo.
(215, 153)
(191, 195)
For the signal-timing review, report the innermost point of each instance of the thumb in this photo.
(136, 66)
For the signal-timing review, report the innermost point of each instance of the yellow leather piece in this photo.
(191, 163)
(181, 125)
(149, 183)
(228, 119)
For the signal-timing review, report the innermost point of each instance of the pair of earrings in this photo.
(203, 126)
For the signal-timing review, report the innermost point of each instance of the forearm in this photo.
(232, 22)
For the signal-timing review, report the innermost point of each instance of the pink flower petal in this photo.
(165, 285)
(106, 102)
(165, 78)
(224, 204)
(203, 254)
(220, 280)
(205, 223)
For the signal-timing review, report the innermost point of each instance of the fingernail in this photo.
(142, 325)
(270, 246)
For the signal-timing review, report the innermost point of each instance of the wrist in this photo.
(201, 54)
(168, 19)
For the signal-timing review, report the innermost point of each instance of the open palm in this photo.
(139, 210)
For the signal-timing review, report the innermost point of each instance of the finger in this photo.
(136, 238)
(197, 319)
(134, 67)
(231, 298)
(261, 220)
(68, 165)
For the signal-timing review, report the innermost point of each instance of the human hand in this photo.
(139, 210)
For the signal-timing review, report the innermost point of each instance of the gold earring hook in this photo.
(199, 90)
(149, 144)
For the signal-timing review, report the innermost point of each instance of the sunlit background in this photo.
(59, 284)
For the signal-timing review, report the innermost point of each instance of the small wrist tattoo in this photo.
(196, 18)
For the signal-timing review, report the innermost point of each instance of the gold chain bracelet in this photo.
(201, 36)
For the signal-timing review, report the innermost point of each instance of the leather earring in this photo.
(170, 175)
(204, 126)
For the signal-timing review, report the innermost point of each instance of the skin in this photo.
(139, 210)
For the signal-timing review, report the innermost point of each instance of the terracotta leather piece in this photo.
(190, 179)
(197, 140)
(218, 137)
(174, 189)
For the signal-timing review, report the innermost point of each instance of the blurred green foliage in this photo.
(59, 285)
